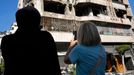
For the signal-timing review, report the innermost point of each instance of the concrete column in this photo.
(39, 4)
(73, 11)
(90, 13)
(69, 12)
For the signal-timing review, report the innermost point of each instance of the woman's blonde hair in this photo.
(87, 34)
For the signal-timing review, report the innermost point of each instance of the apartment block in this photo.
(113, 18)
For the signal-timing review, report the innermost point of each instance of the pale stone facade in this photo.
(61, 17)
(67, 15)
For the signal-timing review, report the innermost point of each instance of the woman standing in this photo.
(87, 52)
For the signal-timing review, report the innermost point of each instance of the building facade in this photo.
(61, 17)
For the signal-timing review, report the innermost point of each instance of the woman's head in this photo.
(88, 34)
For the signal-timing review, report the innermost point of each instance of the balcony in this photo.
(101, 2)
(67, 36)
(60, 1)
(104, 18)
(104, 3)
(62, 36)
(119, 6)
(100, 17)
(114, 39)
(59, 16)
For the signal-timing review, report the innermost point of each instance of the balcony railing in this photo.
(113, 38)
(61, 1)
(67, 36)
(105, 18)
(60, 16)
(102, 2)
(62, 36)
(100, 17)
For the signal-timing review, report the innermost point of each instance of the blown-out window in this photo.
(54, 7)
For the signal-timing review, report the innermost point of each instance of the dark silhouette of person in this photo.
(29, 51)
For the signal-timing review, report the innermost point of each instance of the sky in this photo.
(8, 9)
(7, 13)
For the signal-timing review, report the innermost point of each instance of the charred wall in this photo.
(54, 24)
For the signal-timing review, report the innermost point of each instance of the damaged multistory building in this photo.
(112, 17)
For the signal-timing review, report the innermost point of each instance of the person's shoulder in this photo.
(78, 47)
(102, 46)
(45, 32)
(8, 36)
